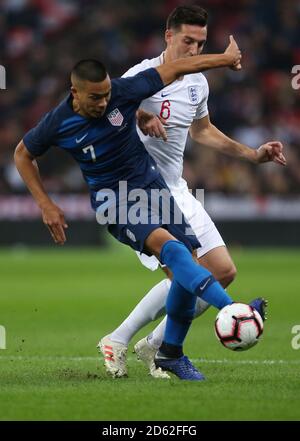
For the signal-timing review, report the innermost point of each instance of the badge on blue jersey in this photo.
(115, 117)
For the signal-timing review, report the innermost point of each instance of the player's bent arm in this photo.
(28, 169)
(52, 215)
(169, 72)
(207, 135)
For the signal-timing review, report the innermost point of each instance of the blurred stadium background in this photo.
(40, 41)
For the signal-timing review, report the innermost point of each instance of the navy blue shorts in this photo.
(131, 215)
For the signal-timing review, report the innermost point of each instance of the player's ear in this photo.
(168, 35)
(73, 90)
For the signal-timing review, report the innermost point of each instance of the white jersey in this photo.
(179, 103)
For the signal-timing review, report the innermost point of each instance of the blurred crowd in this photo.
(40, 41)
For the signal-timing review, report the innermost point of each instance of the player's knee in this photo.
(227, 275)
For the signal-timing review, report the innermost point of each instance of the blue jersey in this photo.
(107, 149)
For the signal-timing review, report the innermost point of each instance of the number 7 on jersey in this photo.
(91, 149)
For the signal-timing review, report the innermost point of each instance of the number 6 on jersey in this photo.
(165, 111)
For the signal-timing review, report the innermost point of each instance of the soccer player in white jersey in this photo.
(182, 106)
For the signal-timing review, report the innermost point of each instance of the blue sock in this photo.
(193, 277)
(215, 294)
(180, 308)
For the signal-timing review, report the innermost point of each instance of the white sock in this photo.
(149, 308)
(156, 337)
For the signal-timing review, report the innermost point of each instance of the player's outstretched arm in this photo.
(169, 72)
(52, 215)
(207, 135)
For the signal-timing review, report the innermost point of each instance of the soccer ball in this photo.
(238, 326)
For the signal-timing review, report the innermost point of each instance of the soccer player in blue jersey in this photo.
(96, 125)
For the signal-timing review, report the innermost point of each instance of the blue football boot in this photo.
(260, 305)
(181, 367)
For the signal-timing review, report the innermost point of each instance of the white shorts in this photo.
(201, 223)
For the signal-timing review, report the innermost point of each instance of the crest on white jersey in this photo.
(194, 94)
(115, 117)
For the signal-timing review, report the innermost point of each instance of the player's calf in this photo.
(227, 276)
(219, 262)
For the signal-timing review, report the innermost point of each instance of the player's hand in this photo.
(151, 124)
(236, 66)
(271, 152)
(234, 51)
(54, 219)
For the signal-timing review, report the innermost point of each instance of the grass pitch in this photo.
(55, 305)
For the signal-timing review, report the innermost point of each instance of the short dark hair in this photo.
(193, 15)
(90, 70)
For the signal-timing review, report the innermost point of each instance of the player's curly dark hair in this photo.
(193, 15)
